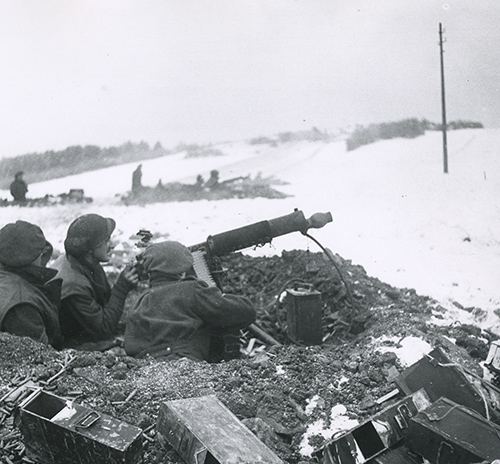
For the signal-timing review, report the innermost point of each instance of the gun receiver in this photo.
(261, 232)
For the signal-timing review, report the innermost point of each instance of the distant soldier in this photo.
(199, 181)
(213, 180)
(137, 179)
(18, 188)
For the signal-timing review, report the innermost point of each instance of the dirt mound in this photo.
(279, 391)
(241, 187)
(72, 197)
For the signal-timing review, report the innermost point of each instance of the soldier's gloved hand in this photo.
(130, 276)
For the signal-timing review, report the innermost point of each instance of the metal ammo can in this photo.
(304, 314)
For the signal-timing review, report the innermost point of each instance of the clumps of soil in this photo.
(271, 392)
(242, 187)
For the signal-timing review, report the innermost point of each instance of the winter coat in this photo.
(177, 318)
(18, 190)
(29, 306)
(90, 309)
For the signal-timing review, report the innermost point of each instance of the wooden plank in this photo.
(203, 429)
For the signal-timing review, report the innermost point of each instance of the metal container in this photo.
(57, 431)
(376, 435)
(203, 431)
(449, 433)
(493, 358)
(304, 316)
(442, 378)
(400, 455)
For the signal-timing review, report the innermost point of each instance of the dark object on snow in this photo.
(448, 432)
(442, 378)
(212, 190)
(137, 179)
(58, 431)
(374, 436)
(73, 196)
(203, 431)
(19, 188)
(304, 316)
(213, 180)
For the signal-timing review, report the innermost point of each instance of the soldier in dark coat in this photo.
(19, 188)
(179, 315)
(29, 298)
(90, 308)
(137, 179)
(213, 180)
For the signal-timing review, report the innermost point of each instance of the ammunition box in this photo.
(57, 431)
(441, 378)
(449, 433)
(203, 431)
(371, 438)
(400, 455)
(304, 316)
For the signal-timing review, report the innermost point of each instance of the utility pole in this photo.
(443, 103)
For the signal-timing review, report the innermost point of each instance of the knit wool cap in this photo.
(86, 232)
(21, 243)
(168, 257)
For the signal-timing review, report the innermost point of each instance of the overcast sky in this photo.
(106, 71)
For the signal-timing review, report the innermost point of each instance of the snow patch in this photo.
(409, 350)
(311, 404)
(280, 370)
(339, 422)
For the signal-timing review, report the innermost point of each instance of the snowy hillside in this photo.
(395, 212)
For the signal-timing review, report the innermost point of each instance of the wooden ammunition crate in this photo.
(57, 431)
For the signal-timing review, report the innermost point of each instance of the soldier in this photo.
(90, 308)
(179, 315)
(29, 296)
(213, 180)
(137, 179)
(19, 188)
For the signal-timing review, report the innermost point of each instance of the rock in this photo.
(475, 347)
(367, 403)
(109, 360)
(352, 366)
(121, 366)
(119, 375)
(118, 396)
(265, 433)
(144, 421)
(84, 360)
(389, 357)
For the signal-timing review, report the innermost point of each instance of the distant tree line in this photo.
(406, 128)
(312, 135)
(74, 160)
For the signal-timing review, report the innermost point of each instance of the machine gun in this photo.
(206, 255)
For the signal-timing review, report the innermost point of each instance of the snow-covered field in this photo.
(394, 211)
